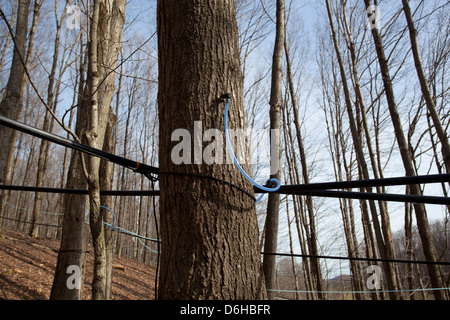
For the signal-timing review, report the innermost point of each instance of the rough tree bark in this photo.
(74, 232)
(209, 230)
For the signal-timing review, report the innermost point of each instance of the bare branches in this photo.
(34, 86)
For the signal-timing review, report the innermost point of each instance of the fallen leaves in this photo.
(27, 267)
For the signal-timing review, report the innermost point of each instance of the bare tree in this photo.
(209, 231)
(441, 133)
(43, 153)
(104, 46)
(106, 182)
(11, 104)
(384, 245)
(276, 100)
(105, 36)
(421, 216)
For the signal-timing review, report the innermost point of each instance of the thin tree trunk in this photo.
(276, 100)
(106, 183)
(442, 134)
(123, 180)
(43, 151)
(104, 46)
(141, 221)
(299, 211)
(20, 215)
(11, 105)
(291, 246)
(436, 158)
(315, 263)
(409, 245)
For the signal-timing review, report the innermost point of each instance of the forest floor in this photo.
(27, 268)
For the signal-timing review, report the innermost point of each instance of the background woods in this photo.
(351, 102)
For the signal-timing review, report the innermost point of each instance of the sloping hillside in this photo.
(27, 268)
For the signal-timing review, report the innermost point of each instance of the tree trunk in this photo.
(209, 230)
(300, 216)
(73, 233)
(11, 104)
(362, 118)
(383, 244)
(92, 118)
(290, 167)
(276, 101)
(43, 151)
(338, 143)
(421, 215)
(123, 181)
(72, 251)
(27, 60)
(104, 46)
(291, 247)
(312, 240)
(425, 88)
(409, 246)
(106, 183)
